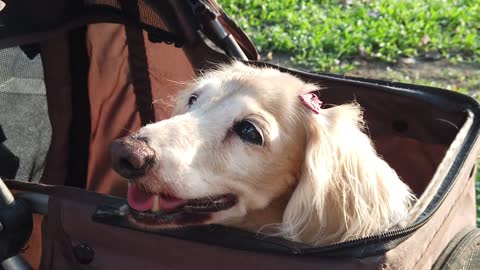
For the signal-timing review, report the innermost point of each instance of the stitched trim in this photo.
(465, 188)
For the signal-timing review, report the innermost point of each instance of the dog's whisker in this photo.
(168, 102)
(213, 202)
(129, 131)
(448, 122)
(181, 83)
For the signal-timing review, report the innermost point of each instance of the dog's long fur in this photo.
(316, 180)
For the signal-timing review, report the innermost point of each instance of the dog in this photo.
(252, 148)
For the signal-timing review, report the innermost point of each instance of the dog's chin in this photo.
(193, 212)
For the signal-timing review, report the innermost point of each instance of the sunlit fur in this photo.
(317, 179)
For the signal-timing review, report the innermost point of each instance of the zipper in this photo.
(383, 241)
(380, 243)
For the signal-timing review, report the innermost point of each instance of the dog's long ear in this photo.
(344, 189)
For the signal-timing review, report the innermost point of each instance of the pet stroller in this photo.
(77, 74)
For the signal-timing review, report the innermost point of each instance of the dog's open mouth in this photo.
(160, 209)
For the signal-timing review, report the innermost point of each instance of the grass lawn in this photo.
(324, 35)
(432, 42)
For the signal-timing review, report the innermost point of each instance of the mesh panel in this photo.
(148, 15)
(23, 112)
(111, 3)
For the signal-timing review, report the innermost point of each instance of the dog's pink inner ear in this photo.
(312, 102)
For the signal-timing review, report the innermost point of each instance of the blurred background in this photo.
(427, 42)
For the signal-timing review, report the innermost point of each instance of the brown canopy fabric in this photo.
(113, 104)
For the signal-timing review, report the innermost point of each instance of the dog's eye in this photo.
(248, 132)
(192, 100)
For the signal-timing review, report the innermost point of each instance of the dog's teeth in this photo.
(156, 204)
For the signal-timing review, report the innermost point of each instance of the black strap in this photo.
(2, 135)
(9, 163)
(137, 56)
(79, 132)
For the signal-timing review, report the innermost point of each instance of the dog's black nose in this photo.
(131, 157)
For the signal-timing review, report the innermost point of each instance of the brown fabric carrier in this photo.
(106, 80)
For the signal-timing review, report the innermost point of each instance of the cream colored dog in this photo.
(250, 148)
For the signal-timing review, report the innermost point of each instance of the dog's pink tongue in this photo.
(139, 200)
(169, 203)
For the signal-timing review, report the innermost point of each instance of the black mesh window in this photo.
(24, 120)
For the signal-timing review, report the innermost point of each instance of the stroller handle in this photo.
(37, 201)
(6, 197)
(16, 262)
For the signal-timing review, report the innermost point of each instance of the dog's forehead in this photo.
(267, 87)
(242, 90)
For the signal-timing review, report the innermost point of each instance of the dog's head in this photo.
(241, 149)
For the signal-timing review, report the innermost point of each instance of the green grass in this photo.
(327, 36)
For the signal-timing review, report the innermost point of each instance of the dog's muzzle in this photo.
(131, 157)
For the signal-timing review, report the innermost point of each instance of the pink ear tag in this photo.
(312, 102)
